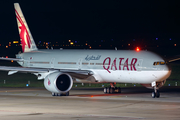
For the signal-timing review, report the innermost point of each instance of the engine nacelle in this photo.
(58, 82)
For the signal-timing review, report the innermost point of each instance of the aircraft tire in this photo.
(67, 94)
(119, 90)
(153, 94)
(111, 90)
(105, 90)
(157, 94)
(53, 94)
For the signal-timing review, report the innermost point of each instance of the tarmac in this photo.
(89, 104)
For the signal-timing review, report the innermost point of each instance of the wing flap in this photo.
(23, 69)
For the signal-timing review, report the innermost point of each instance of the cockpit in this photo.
(159, 63)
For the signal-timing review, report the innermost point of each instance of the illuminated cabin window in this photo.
(85, 63)
(99, 63)
(35, 62)
(159, 63)
(66, 63)
(106, 64)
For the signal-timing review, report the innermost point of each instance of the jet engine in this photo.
(58, 82)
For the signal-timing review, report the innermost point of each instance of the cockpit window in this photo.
(162, 63)
(159, 63)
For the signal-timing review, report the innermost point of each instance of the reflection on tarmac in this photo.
(89, 104)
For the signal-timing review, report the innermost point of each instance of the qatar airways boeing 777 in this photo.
(60, 68)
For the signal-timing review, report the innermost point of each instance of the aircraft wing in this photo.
(23, 69)
(9, 59)
(73, 72)
(13, 70)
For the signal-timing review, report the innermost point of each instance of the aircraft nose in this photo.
(168, 67)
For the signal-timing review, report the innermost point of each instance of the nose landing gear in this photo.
(155, 93)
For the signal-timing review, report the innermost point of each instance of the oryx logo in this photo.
(49, 82)
(24, 35)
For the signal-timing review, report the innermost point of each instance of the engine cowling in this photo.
(58, 82)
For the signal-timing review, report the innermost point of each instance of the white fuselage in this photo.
(121, 66)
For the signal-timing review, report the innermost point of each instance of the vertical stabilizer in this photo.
(26, 38)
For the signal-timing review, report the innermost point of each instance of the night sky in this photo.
(57, 20)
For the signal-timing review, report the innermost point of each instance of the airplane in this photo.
(61, 67)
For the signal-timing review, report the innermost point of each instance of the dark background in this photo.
(103, 24)
(152, 25)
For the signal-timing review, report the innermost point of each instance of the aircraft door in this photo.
(139, 64)
(79, 63)
(26, 63)
(52, 62)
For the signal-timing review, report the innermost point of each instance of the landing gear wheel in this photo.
(53, 94)
(67, 94)
(153, 94)
(61, 94)
(157, 94)
(111, 90)
(64, 94)
(119, 90)
(105, 90)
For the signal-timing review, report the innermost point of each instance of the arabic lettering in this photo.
(92, 57)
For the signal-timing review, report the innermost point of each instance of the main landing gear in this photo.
(61, 94)
(112, 89)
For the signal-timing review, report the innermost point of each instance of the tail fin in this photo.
(26, 38)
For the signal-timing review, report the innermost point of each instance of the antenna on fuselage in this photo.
(115, 48)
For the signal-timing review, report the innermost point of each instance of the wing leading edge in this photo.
(46, 71)
(10, 59)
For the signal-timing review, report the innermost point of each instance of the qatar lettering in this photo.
(119, 64)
